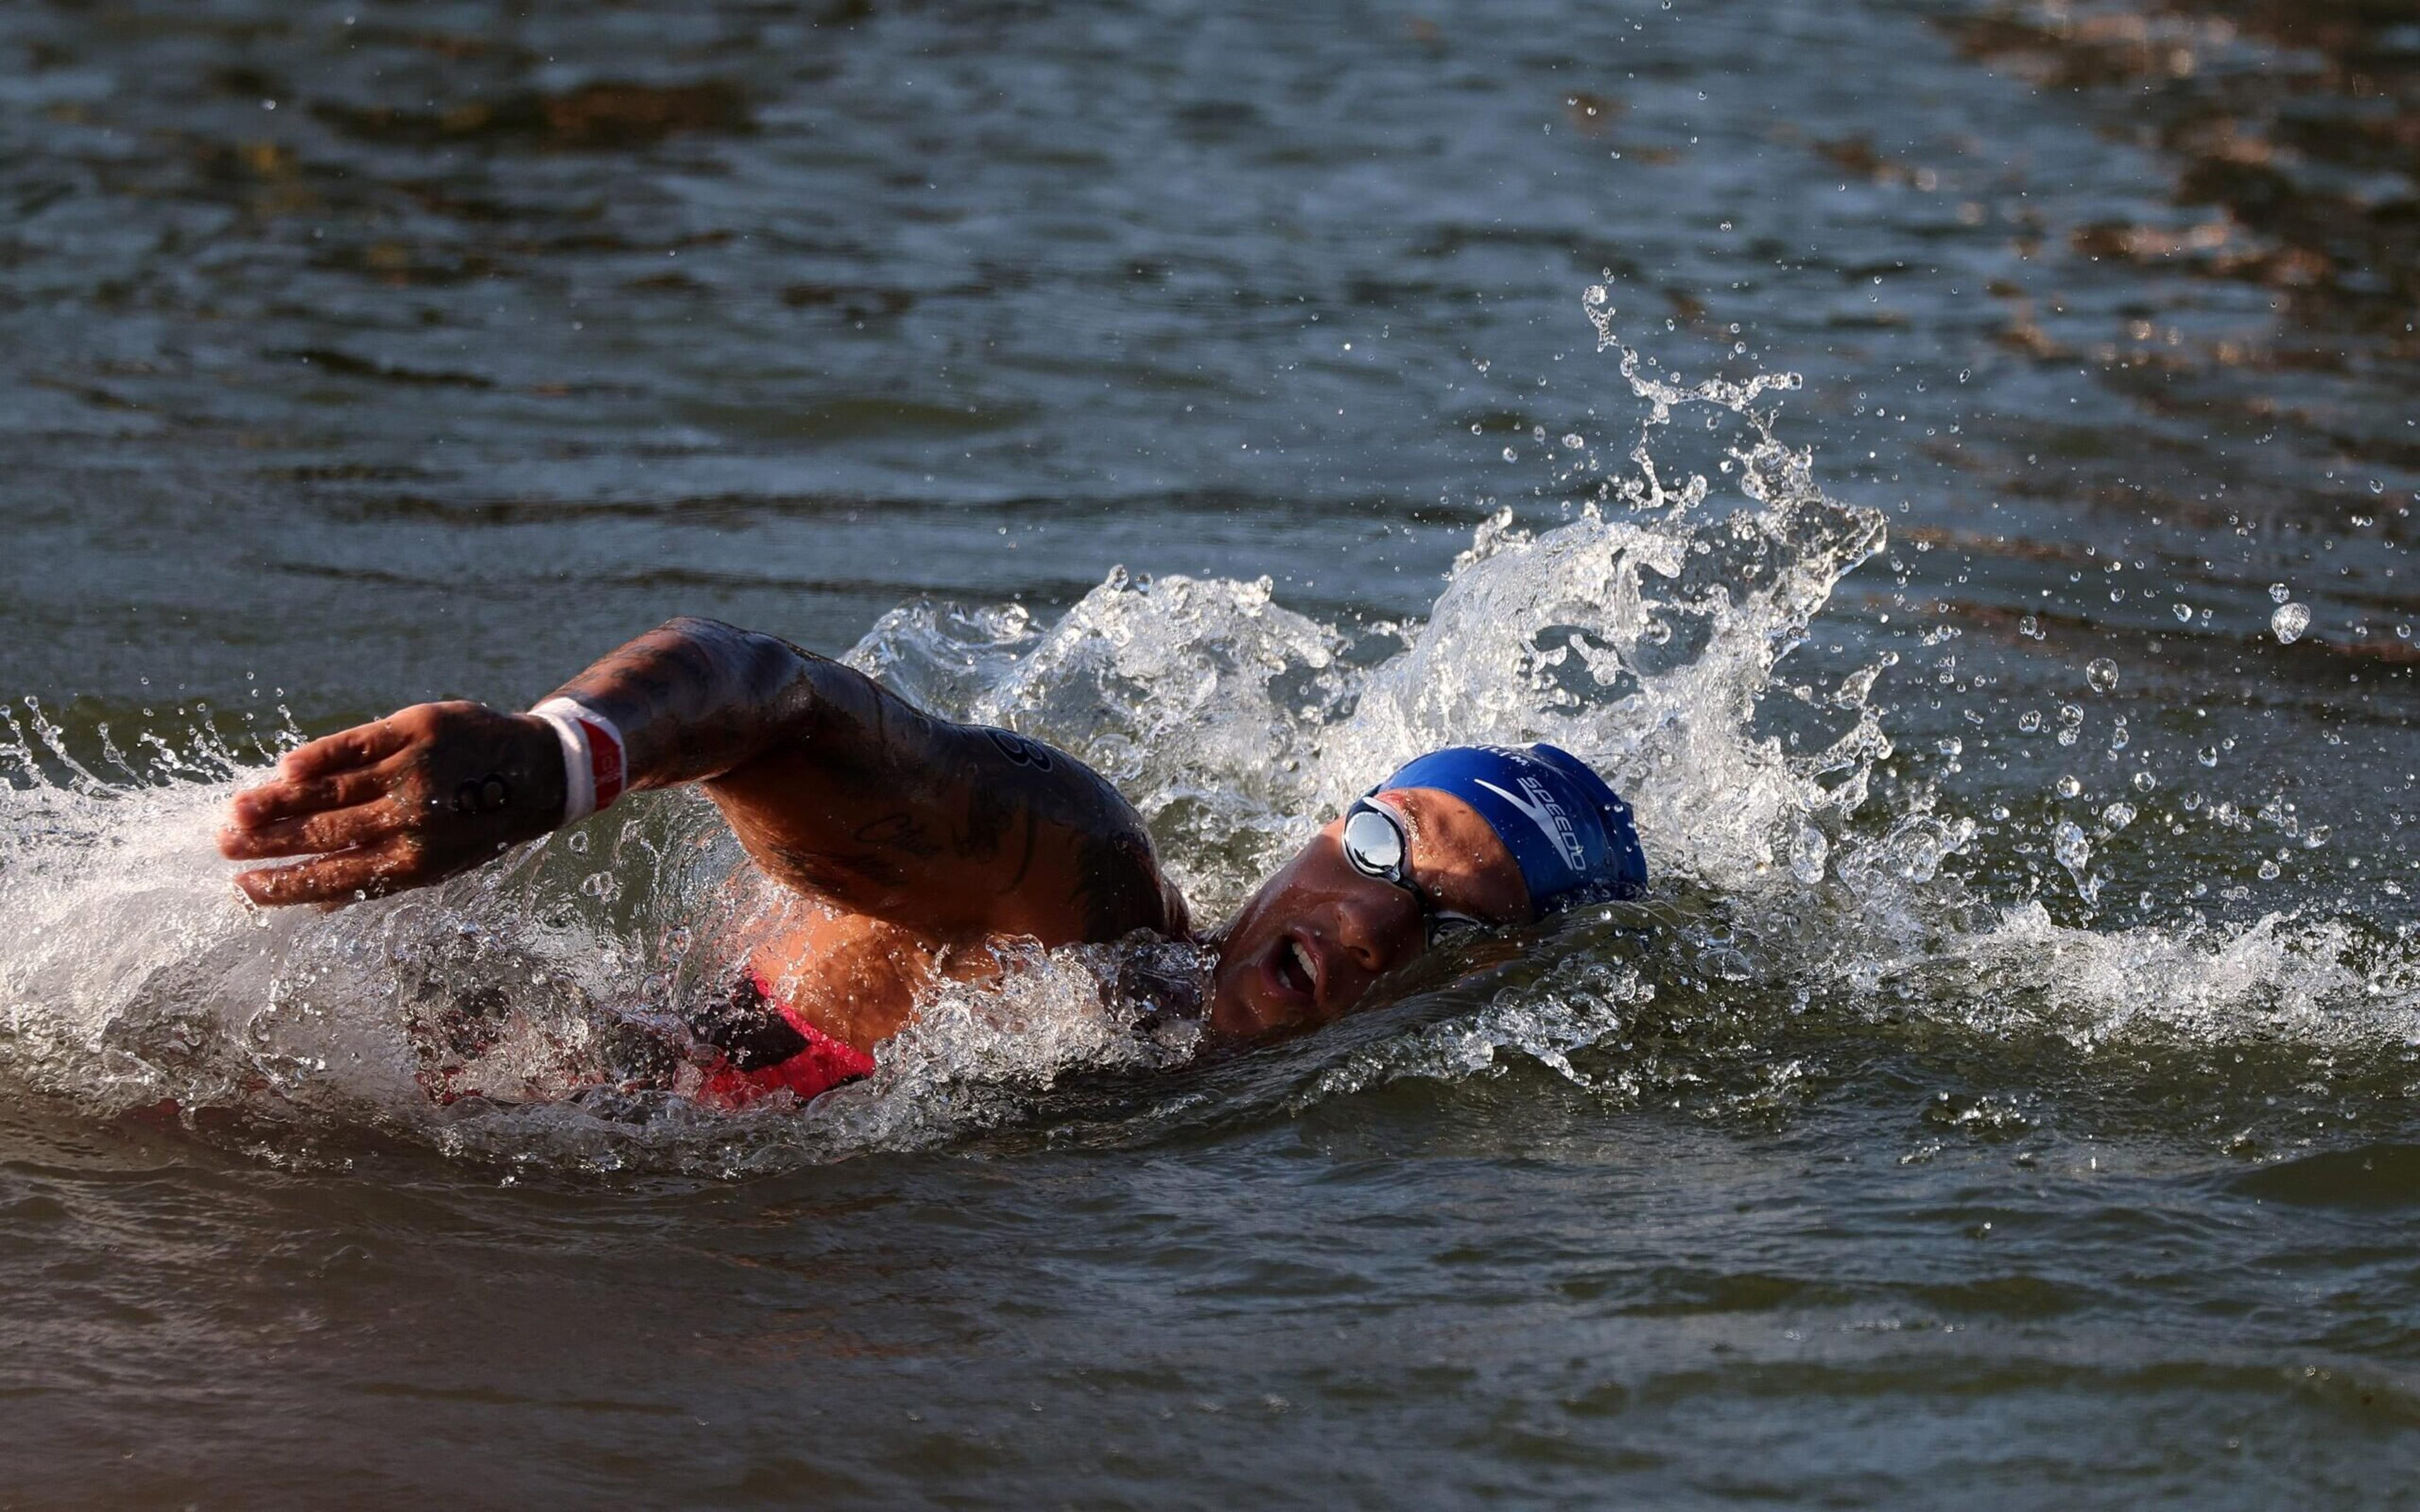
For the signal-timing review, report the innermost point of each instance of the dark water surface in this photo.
(2053, 1141)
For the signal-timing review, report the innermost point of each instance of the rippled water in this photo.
(1951, 463)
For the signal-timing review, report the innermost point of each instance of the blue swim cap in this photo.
(1570, 835)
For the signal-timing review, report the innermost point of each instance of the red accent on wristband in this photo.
(604, 761)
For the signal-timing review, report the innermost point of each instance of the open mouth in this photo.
(1295, 968)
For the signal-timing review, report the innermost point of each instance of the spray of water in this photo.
(1652, 631)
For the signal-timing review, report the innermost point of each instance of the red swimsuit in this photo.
(824, 1064)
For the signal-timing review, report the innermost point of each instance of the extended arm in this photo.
(834, 785)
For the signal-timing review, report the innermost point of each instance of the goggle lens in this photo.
(1374, 844)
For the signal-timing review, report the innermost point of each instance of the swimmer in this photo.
(916, 841)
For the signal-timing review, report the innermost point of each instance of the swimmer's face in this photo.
(1306, 947)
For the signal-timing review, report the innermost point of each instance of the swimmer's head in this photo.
(1466, 837)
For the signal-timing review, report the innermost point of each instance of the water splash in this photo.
(1642, 636)
(1651, 630)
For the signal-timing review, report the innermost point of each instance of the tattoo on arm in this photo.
(901, 832)
(990, 811)
(842, 788)
(1116, 886)
(695, 697)
(1025, 863)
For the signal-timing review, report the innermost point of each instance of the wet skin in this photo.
(910, 841)
(1306, 947)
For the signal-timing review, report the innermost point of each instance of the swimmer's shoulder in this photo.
(1116, 883)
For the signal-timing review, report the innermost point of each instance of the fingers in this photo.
(331, 879)
(351, 806)
(284, 798)
(313, 834)
(361, 745)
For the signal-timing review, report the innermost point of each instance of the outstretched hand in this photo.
(414, 798)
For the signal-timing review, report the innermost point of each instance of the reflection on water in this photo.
(2294, 128)
(2010, 647)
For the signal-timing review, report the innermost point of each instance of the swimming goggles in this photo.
(1376, 845)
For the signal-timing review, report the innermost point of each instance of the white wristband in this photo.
(594, 767)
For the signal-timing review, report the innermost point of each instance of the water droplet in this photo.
(2102, 674)
(1574, 440)
(1597, 295)
(1808, 851)
(2208, 755)
(1512, 456)
(2269, 871)
(2118, 815)
(2145, 781)
(2279, 593)
(2067, 843)
(2030, 721)
(577, 842)
(2068, 787)
(2183, 611)
(2289, 622)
